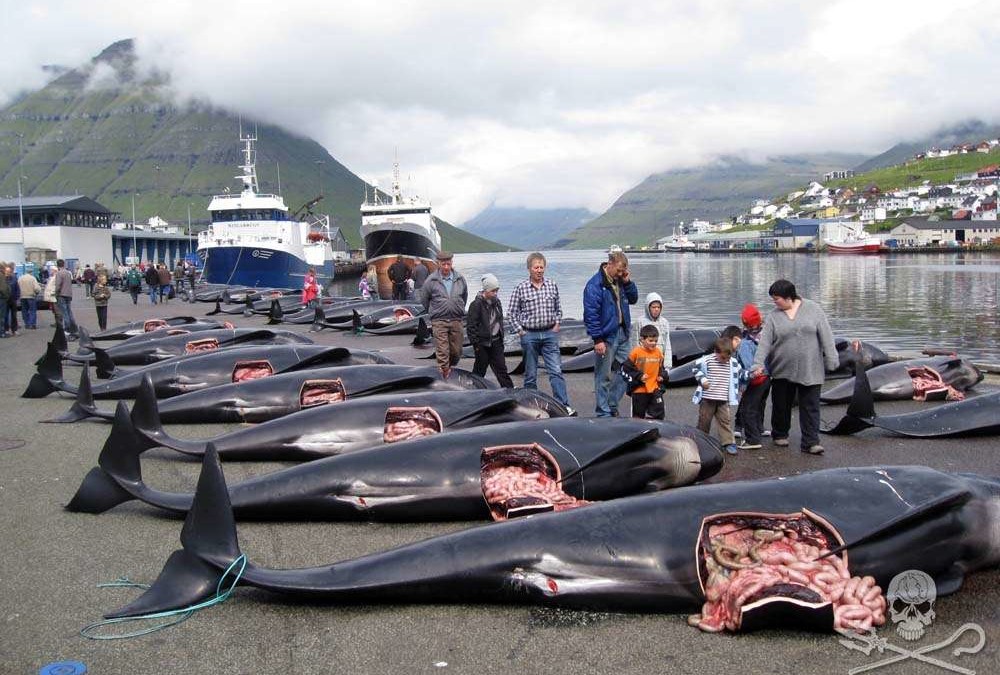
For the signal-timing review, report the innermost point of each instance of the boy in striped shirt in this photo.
(719, 376)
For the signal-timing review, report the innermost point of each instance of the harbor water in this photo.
(903, 304)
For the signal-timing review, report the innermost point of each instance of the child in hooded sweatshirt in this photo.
(750, 414)
(653, 316)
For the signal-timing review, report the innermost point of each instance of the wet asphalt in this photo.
(52, 561)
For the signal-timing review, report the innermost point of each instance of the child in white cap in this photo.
(484, 326)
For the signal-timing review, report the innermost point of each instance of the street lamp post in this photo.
(20, 210)
(135, 246)
(190, 237)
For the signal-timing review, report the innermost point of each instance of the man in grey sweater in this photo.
(444, 295)
(796, 344)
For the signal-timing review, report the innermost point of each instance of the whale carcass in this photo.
(812, 550)
(501, 471)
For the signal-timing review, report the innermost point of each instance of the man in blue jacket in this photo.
(606, 298)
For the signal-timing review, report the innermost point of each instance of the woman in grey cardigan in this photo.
(795, 344)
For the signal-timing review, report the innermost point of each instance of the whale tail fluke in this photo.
(275, 314)
(86, 343)
(318, 318)
(83, 407)
(148, 427)
(49, 372)
(422, 335)
(209, 534)
(518, 369)
(102, 488)
(217, 310)
(104, 366)
(59, 338)
(860, 411)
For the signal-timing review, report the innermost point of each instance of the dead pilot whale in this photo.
(268, 398)
(471, 473)
(663, 552)
(896, 380)
(975, 416)
(199, 371)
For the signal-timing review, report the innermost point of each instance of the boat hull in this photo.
(857, 247)
(382, 246)
(259, 267)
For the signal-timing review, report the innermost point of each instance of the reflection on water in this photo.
(900, 303)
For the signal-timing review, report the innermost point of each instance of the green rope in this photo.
(179, 615)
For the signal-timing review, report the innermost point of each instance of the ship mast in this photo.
(249, 166)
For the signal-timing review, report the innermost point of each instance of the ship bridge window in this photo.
(231, 215)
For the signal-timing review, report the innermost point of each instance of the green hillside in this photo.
(937, 170)
(971, 131)
(716, 192)
(100, 131)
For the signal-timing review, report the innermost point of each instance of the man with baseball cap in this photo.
(444, 295)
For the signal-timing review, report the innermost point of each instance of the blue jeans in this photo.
(154, 290)
(545, 343)
(29, 312)
(69, 322)
(609, 387)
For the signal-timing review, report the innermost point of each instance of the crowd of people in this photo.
(52, 284)
(784, 354)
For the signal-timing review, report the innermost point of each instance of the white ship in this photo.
(676, 242)
(396, 226)
(253, 241)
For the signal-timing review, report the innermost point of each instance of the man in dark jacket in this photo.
(606, 300)
(153, 281)
(398, 274)
(419, 274)
(484, 326)
(89, 279)
(164, 277)
(444, 296)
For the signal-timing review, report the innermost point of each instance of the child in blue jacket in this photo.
(750, 414)
(719, 376)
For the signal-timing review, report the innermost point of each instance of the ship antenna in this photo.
(396, 195)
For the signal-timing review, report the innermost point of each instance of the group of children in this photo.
(722, 377)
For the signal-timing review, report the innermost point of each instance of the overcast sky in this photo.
(547, 104)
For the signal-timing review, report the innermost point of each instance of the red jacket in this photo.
(310, 289)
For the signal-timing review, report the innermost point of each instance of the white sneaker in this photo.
(570, 412)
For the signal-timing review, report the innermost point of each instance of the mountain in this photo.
(111, 132)
(971, 131)
(524, 228)
(715, 192)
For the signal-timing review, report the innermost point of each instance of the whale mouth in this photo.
(178, 331)
(321, 392)
(764, 570)
(402, 424)
(521, 480)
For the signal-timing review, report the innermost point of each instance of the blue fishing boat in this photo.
(253, 241)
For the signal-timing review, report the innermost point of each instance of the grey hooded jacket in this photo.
(662, 325)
